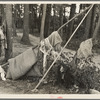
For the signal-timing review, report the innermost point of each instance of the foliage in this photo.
(86, 75)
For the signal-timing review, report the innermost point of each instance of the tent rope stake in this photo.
(62, 49)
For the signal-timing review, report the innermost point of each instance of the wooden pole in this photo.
(61, 50)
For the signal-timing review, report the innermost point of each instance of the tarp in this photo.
(85, 49)
(21, 64)
(1, 35)
(54, 38)
(50, 42)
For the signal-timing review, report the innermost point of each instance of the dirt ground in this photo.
(26, 85)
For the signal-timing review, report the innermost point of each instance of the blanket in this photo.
(21, 64)
(85, 49)
(54, 38)
(50, 43)
(1, 35)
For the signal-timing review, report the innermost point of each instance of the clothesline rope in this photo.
(62, 49)
(73, 18)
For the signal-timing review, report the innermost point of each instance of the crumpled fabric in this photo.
(54, 38)
(91, 61)
(21, 64)
(86, 57)
(50, 42)
(2, 72)
(48, 46)
(3, 44)
(45, 46)
(85, 49)
(2, 37)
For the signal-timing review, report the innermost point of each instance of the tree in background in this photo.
(96, 34)
(14, 20)
(61, 19)
(54, 18)
(40, 12)
(18, 15)
(33, 17)
(2, 12)
(93, 20)
(43, 22)
(25, 37)
(47, 21)
(8, 14)
(71, 24)
(88, 24)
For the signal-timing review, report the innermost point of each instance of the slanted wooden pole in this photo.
(62, 50)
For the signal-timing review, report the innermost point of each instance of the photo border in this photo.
(48, 96)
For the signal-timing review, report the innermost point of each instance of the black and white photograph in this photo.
(50, 48)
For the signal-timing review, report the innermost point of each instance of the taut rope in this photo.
(73, 18)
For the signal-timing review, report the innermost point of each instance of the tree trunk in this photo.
(40, 17)
(8, 15)
(43, 22)
(47, 21)
(65, 20)
(93, 23)
(39, 22)
(61, 19)
(96, 34)
(82, 7)
(18, 16)
(14, 22)
(31, 19)
(25, 37)
(54, 18)
(2, 11)
(0, 46)
(88, 25)
(71, 24)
